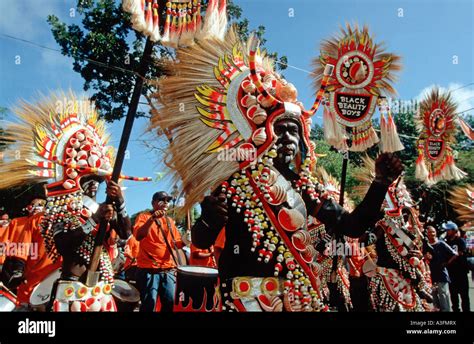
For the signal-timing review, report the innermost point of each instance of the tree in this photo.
(106, 51)
(105, 54)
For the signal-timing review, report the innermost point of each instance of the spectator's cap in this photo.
(449, 226)
(161, 196)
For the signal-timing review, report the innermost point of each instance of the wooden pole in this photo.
(345, 161)
(127, 129)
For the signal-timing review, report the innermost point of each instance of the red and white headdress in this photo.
(58, 140)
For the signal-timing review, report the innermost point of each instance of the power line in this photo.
(294, 67)
(105, 65)
(472, 83)
(458, 113)
(102, 64)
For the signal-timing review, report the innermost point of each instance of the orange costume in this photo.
(4, 238)
(202, 261)
(12, 234)
(38, 266)
(131, 252)
(16, 231)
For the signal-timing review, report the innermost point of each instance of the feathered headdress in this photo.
(435, 122)
(219, 104)
(363, 77)
(462, 200)
(59, 138)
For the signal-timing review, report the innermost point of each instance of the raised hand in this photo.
(114, 191)
(158, 213)
(214, 210)
(388, 167)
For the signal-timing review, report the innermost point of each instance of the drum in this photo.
(126, 296)
(197, 289)
(41, 294)
(7, 299)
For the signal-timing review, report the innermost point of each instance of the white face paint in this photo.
(90, 188)
(37, 206)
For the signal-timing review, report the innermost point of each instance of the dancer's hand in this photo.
(388, 167)
(214, 210)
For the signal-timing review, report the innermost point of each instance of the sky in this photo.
(434, 38)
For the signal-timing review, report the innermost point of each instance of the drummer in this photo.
(156, 264)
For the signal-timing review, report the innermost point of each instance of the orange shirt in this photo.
(17, 234)
(131, 252)
(209, 261)
(219, 244)
(153, 252)
(38, 265)
(4, 238)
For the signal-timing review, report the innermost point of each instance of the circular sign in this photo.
(354, 70)
(437, 122)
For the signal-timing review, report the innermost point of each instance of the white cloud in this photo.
(26, 18)
(464, 97)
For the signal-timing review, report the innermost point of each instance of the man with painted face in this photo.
(159, 238)
(235, 260)
(67, 242)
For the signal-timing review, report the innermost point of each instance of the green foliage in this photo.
(104, 54)
(332, 161)
(106, 51)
